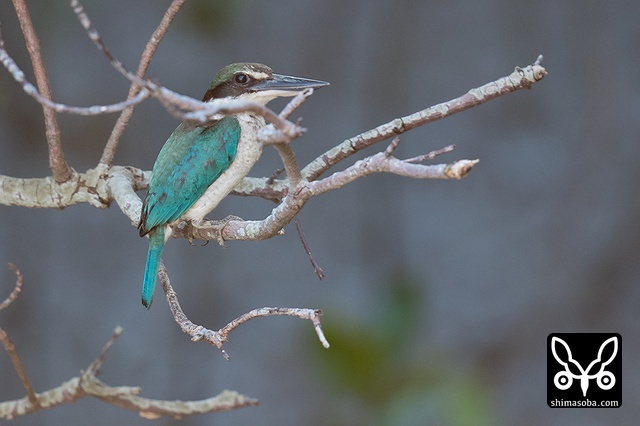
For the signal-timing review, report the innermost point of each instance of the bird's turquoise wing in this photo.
(191, 160)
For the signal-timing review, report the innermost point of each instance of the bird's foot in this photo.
(189, 231)
(219, 224)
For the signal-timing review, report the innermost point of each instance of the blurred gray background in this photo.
(439, 295)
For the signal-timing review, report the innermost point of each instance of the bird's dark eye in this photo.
(242, 78)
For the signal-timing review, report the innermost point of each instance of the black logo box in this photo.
(601, 379)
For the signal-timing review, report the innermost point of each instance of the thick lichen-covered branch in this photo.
(89, 187)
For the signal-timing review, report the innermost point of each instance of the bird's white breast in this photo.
(247, 154)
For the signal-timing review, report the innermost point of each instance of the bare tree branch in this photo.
(303, 239)
(59, 167)
(88, 384)
(288, 158)
(31, 90)
(8, 344)
(89, 187)
(521, 78)
(382, 163)
(103, 184)
(145, 60)
(16, 289)
(22, 374)
(123, 182)
(218, 338)
(282, 146)
(199, 113)
(126, 397)
(268, 188)
(303, 313)
(296, 198)
(431, 155)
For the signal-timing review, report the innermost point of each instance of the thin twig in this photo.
(288, 158)
(59, 167)
(284, 149)
(93, 34)
(197, 332)
(16, 289)
(381, 163)
(538, 60)
(218, 338)
(95, 366)
(8, 344)
(392, 146)
(145, 60)
(165, 95)
(274, 176)
(31, 90)
(303, 239)
(202, 113)
(295, 103)
(17, 365)
(431, 155)
(304, 313)
(199, 113)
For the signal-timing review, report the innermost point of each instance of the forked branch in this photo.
(218, 338)
(88, 384)
(520, 78)
(126, 397)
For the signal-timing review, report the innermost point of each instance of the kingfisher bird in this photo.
(198, 166)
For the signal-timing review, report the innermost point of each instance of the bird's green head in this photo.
(255, 82)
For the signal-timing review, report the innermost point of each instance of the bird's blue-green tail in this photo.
(156, 243)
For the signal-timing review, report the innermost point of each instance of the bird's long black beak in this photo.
(285, 83)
